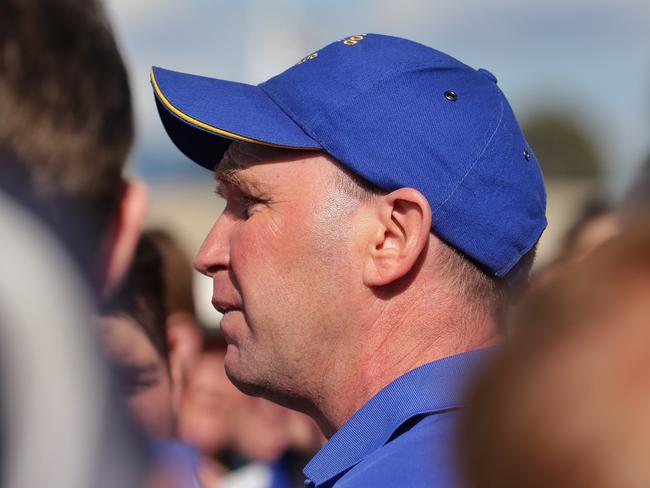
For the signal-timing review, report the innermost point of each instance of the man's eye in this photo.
(133, 380)
(248, 204)
(239, 203)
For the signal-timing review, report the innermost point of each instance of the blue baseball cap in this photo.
(395, 112)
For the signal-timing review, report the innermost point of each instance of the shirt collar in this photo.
(431, 388)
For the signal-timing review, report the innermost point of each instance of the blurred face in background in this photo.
(595, 232)
(216, 417)
(143, 375)
(262, 430)
(304, 435)
(184, 338)
(209, 405)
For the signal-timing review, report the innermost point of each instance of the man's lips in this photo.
(224, 307)
(226, 325)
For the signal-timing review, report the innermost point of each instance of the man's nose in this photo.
(214, 253)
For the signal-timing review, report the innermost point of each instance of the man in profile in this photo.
(382, 203)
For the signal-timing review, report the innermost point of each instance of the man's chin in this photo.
(237, 373)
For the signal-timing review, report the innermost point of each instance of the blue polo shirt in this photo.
(404, 436)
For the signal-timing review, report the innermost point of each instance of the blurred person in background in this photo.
(362, 257)
(271, 444)
(596, 223)
(134, 327)
(208, 407)
(566, 403)
(183, 333)
(66, 130)
(305, 438)
(245, 441)
(135, 335)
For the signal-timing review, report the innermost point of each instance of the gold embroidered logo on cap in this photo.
(352, 40)
(307, 58)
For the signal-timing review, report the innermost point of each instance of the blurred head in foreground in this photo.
(66, 129)
(65, 133)
(134, 332)
(567, 403)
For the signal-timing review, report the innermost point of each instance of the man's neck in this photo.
(390, 350)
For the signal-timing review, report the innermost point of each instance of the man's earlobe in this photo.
(125, 232)
(402, 235)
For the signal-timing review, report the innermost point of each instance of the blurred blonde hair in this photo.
(567, 402)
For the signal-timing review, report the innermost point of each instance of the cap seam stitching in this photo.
(469, 170)
(289, 114)
(318, 121)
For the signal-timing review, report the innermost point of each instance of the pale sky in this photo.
(588, 58)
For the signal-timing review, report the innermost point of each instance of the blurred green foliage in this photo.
(564, 149)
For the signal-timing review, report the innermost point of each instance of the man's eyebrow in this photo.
(231, 176)
(230, 169)
(234, 177)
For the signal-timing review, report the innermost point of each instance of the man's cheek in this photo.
(248, 248)
(255, 270)
(270, 240)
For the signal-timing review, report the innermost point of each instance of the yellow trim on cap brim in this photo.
(211, 128)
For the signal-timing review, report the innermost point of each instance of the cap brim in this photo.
(202, 116)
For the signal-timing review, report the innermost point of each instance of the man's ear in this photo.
(399, 236)
(125, 233)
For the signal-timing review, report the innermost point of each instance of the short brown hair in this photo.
(66, 124)
(65, 107)
(471, 281)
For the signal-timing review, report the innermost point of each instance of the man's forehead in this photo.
(241, 156)
(238, 158)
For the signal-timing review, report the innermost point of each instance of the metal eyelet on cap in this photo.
(526, 155)
(451, 96)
